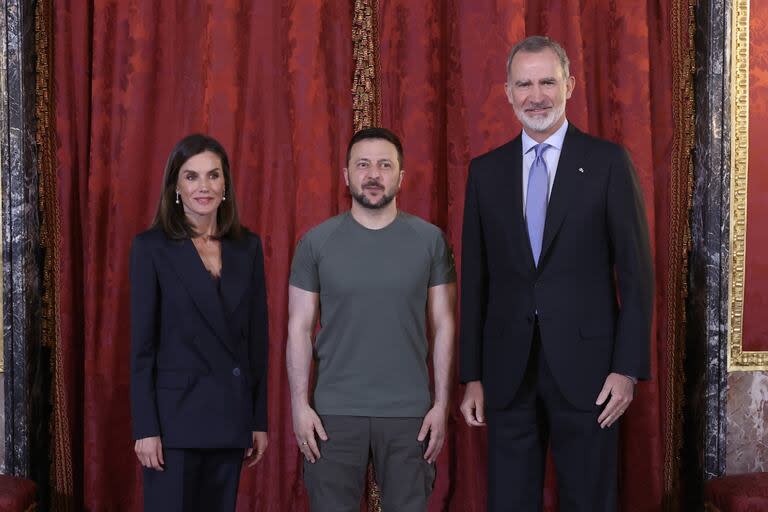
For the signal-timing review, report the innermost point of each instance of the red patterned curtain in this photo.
(272, 81)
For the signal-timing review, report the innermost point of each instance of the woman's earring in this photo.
(224, 195)
(177, 197)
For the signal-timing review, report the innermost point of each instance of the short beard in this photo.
(541, 124)
(363, 201)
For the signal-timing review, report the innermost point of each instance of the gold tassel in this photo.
(365, 93)
(365, 112)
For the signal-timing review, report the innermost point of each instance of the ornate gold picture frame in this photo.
(739, 359)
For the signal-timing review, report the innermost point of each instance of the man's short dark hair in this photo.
(535, 44)
(376, 133)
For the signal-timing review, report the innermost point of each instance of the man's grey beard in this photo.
(540, 124)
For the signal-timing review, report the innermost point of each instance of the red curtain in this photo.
(271, 80)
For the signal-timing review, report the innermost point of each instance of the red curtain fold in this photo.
(271, 80)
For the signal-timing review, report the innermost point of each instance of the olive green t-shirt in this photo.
(371, 351)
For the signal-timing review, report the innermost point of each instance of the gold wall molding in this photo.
(739, 359)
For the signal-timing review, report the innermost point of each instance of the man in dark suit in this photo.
(557, 291)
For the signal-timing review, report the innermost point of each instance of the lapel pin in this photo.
(581, 170)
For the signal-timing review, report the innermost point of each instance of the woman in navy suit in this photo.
(199, 337)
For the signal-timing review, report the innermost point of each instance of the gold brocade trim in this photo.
(683, 29)
(739, 359)
(374, 494)
(45, 139)
(365, 91)
(366, 113)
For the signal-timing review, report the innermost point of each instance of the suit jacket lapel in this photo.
(511, 192)
(200, 286)
(565, 186)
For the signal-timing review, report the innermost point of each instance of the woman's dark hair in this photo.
(170, 216)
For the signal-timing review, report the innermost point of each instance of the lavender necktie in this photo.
(536, 200)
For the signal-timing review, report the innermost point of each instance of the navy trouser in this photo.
(585, 455)
(194, 480)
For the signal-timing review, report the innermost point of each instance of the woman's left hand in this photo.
(256, 452)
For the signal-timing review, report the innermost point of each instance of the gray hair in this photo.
(535, 44)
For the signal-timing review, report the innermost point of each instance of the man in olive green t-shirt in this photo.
(375, 276)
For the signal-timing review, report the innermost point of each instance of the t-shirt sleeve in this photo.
(443, 269)
(304, 273)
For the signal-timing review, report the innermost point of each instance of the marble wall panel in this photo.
(707, 307)
(747, 423)
(20, 231)
(726, 413)
(747, 392)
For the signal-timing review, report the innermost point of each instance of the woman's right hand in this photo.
(149, 451)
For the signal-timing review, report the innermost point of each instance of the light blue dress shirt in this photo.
(551, 158)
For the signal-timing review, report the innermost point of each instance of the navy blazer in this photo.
(595, 250)
(198, 356)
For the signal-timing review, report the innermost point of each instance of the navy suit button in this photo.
(236, 372)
